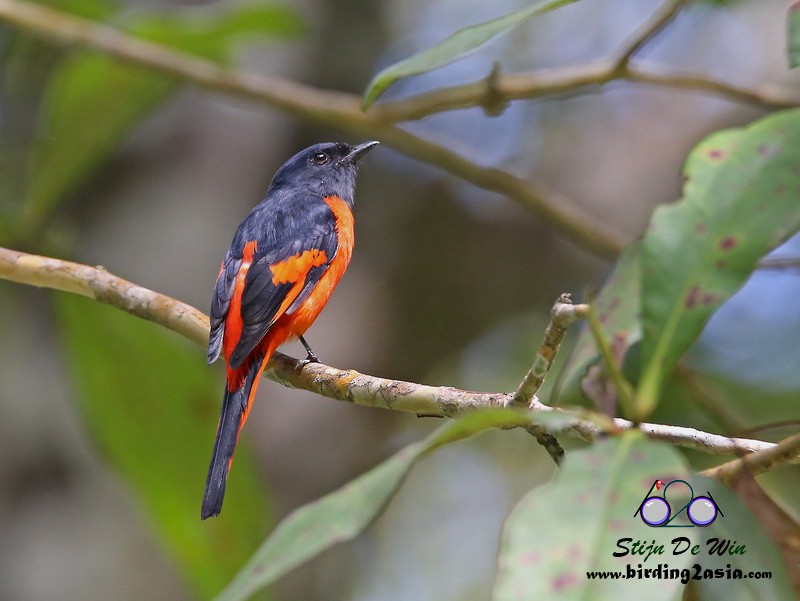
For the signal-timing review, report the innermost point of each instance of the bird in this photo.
(282, 266)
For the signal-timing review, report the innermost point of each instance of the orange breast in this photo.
(296, 324)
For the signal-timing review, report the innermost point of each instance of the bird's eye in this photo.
(320, 158)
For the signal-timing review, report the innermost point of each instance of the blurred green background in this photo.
(449, 284)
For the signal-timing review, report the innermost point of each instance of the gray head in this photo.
(327, 169)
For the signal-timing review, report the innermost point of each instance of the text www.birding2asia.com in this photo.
(678, 546)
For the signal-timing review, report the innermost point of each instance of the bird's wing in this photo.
(278, 266)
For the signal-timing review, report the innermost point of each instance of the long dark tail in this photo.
(235, 406)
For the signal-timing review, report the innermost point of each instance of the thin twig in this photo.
(342, 385)
(548, 442)
(708, 399)
(665, 14)
(504, 86)
(559, 209)
(767, 96)
(578, 79)
(780, 263)
(562, 315)
(781, 423)
(333, 109)
(757, 463)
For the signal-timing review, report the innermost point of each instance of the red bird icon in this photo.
(279, 272)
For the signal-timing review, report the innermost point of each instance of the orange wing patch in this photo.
(296, 267)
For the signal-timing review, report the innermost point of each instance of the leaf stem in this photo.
(625, 393)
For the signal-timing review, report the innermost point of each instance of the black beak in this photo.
(359, 151)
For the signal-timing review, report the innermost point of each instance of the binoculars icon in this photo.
(656, 511)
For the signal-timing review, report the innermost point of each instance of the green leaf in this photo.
(151, 405)
(88, 9)
(343, 514)
(78, 135)
(560, 531)
(462, 43)
(93, 101)
(793, 34)
(739, 202)
(617, 307)
(212, 34)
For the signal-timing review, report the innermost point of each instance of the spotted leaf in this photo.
(741, 199)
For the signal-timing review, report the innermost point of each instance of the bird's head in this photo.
(328, 169)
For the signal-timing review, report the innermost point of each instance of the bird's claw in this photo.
(312, 358)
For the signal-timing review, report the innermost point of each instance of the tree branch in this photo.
(333, 109)
(500, 87)
(503, 88)
(665, 14)
(563, 314)
(765, 96)
(785, 451)
(98, 284)
(341, 110)
(780, 263)
(575, 79)
(346, 385)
